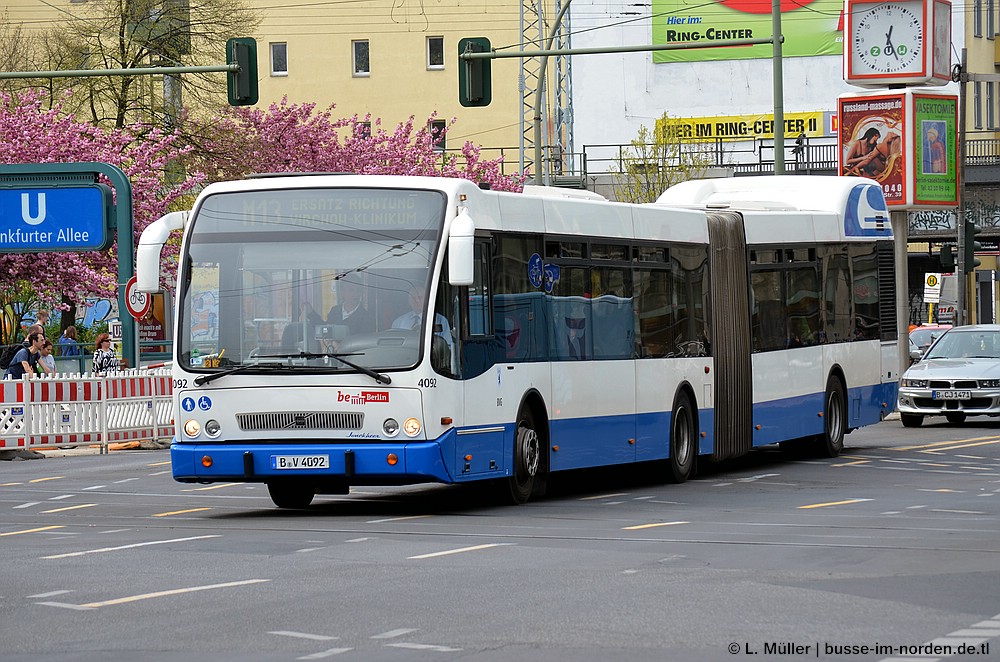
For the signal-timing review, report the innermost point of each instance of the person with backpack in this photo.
(26, 358)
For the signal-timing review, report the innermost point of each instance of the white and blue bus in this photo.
(340, 330)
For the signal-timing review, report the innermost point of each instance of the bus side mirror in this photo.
(147, 255)
(461, 253)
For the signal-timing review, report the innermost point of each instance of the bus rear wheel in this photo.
(294, 495)
(831, 441)
(527, 459)
(683, 441)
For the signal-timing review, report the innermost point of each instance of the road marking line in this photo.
(327, 653)
(357, 540)
(159, 464)
(138, 544)
(126, 480)
(41, 528)
(850, 464)
(42, 480)
(61, 497)
(25, 505)
(832, 503)
(394, 633)
(303, 635)
(61, 510)
(604, 496)
(94, 487)
(50, 594)
(957, 446)
(459, 550)
(174, 591)
(650, 526)
(9, 484)
(396, 519)
(942, 443)
(942, 489)
(180, 512)
(159, 473)
(210, 487)
(425, 647)
(933, 464)
(975, 632)
(64, 605)
(958, 512)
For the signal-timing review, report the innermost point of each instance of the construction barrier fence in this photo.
(67, 410)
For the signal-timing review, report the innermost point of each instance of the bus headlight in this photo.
(212, 428)
(411, 427)
(192, 428)
(390, 427)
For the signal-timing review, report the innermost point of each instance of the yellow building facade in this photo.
(392, 59)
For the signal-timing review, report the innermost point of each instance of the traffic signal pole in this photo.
(962, 305)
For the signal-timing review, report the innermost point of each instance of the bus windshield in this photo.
(296, 277)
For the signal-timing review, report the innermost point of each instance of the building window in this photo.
(437, 129)
(279, 59)
(990, 20)
(990, 103)
(361, 65)
(977, 18)
(435, 52)
(977, 104)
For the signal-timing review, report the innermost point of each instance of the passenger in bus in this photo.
(350, 310)
(576, 335)
(413, 317)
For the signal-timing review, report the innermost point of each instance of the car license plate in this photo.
(952, 394)
(300, 461)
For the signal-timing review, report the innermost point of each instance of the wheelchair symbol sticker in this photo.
(204, 403)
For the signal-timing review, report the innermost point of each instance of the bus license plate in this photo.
(300, 461)
(952, 394)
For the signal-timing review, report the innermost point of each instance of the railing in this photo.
(816, 156)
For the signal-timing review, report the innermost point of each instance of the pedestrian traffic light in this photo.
(242, 85)
(474, 82)
(971, 246)
(948, 258)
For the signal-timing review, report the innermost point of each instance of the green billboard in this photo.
(810, 27)
(935, 142)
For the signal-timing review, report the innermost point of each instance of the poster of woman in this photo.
(871, 139)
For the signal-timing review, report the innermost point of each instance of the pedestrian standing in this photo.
(46, 362)
(68, 343)
(105, 359)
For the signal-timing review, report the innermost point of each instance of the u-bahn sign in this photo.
(67, 218)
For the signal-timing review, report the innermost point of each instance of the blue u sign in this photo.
(69, 218)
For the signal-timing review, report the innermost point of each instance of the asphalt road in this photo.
(894, 546)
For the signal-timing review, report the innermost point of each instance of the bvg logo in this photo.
(364, 398)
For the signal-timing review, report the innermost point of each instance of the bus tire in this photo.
(683, 440)
(911, 420)
(831, 441)
(294, 495)
(527, 458)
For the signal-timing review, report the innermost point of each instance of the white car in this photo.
(958, 376)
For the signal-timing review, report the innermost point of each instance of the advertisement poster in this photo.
(935, 123)
(740, 127)
(871, 142)
(810, 27)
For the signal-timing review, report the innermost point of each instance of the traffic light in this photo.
(948, 258)
(971, 246)
(242, 85)
(475, 87)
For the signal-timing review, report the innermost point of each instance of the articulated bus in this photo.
(343, 330)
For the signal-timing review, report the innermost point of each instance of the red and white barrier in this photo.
(75, 410)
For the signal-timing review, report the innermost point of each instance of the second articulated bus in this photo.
(339, 330)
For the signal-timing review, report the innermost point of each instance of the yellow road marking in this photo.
(962, 445)
(42, 480)
(833, 503)
(604, 496)
(933, 464)
(41, 528)
(850, 464)
(211, 487)
(942, 443)
(180, 512)
(158, 464)
(176, 591)
(8, 484)
(650, 526)
(77, 507)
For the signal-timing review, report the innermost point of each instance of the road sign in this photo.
(932, 288)
(136, 302)
(69, 218)
(115, 330)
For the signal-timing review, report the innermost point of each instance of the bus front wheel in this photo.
(831, 441)
(527, 458)
(287, 494)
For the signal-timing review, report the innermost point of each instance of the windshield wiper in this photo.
(377, 376)
(205, 379)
